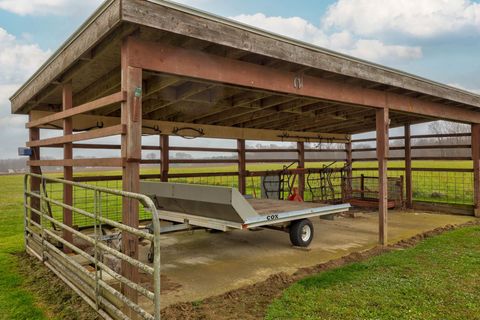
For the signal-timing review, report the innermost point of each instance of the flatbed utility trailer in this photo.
(225, 208)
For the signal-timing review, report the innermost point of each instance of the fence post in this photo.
(408, 167)
(242, 168)
(349, 165)
(164, 157)
(67, 103)
(476, 167)
(131, 117)
(362, 186)
(34, 134)
(382, 124)
(301, 165)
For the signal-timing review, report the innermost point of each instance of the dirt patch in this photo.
(58, 301)
(166, 284)
(51, 294)
(250, 302)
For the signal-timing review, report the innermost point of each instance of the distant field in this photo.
(444, 187)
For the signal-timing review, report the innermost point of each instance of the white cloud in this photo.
(44, 7)
(344, 41)
(459, 86)
(417, 18)
(293, 27)
(375, 50)
(12, 127)
(18, 60)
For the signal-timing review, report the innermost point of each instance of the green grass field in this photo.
(444, 187)
(19, 301)
(437, 279)
(16, 302)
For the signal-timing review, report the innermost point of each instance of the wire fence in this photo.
(449, 186)
(111, 204)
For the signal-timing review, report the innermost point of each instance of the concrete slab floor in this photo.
(200, 264)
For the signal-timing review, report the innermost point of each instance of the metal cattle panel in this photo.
(215, 202)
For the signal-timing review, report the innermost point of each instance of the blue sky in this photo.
(436, 39)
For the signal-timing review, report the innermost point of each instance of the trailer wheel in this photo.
(301, 233)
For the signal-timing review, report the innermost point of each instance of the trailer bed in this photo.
(269, 206)
(224, 208)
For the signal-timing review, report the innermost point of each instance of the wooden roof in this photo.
(91, 59)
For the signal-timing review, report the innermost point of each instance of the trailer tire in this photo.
(301, 232)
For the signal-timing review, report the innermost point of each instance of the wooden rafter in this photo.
(209, 131)
(228, 119)
(216, 111)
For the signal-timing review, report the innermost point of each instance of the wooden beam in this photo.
(67, 103)
(157, 84)
(301, 165)
(382, 123)
(348, 163)
(107, 84)
(250, 118)
(195, 64)
(280, 114)
(95, 162)
(217, 111)
(164, 157)
(322, 119)
(242, 168)
(131, 117)
(171, 128)
(93, 134)
(209, 131)
(84, 108)
(229, 119)
(408, 167)
(188, 90)
(34, 135)
(315, 118)
(476, 167)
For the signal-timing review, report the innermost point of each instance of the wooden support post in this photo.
(382, 124)
(301, 165)
(347, 189)
(164, 157)
(131, 117)
(476, 167)
(34, 134)
(242, 167)
(408, 167)
(67, 103)
(362, 186)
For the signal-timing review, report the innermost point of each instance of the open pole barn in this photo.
(156, 68)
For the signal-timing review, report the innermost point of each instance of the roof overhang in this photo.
(91, 58)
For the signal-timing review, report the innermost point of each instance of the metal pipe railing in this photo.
(99, 220)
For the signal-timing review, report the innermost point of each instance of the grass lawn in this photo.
(437, 279)
(19, 300)
(15, 301)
